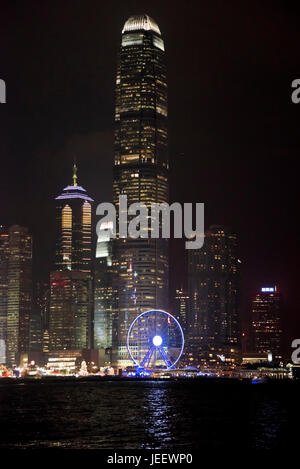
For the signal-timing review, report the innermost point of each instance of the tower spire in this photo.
(74, 174)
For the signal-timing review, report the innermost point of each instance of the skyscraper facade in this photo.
(19, 293)
(3, 291)
(104, 297)
(73, 228)
(267, 322)
(42, 302)
(140, 170)
(70, 313)
(213, 319)
(70, 300)
(181, 307)
(39, 321)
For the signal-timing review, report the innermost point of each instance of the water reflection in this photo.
(269, 422)
(159, 418)
(145, 414)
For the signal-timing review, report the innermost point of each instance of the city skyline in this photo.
(149, 299)
(272, 269)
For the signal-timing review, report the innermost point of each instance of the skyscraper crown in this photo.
(74, 191)
(141, 22)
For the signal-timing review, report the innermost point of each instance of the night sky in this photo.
(233, 130)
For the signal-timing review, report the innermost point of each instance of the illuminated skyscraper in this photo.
(181, 306)
(3, 292)
(73, 238)
(103, 288)
(266, 322)
(140, 169)
(19, 293)
(39, 321)
(70, 300)
(213, 321)
(70, 314)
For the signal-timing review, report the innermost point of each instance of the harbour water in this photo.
(148, 414)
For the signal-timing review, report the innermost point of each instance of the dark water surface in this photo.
(148, 414)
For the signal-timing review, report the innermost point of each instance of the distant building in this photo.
(19, 293)
(103, 288)
(213, 326)
(181, 305)
(46, 341)
(40, 315)
(41, 310)
(67, 362)
(266, 322)
(3, 292)
(35, 331)
(252, 357)
(42, 300)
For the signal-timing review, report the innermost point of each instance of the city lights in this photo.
(134, 318)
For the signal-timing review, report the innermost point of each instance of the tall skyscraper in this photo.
(35, 331)
(140, 170)
(104, 297)
(213, 320)
(39, 321)
(266, 322)
(74, 238)
(3, 291)
(42, 302)
(19, 293)
(181, 307)
(70, 314)
(70, 300)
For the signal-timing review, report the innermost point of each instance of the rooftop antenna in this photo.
(74, 173)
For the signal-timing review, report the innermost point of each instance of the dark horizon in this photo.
(233, 129)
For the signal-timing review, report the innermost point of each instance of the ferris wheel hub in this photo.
(157, 340)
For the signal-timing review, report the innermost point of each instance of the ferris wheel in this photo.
(155, 340)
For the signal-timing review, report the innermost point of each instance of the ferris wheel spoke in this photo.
(140, 336)
(139, 341)
(142, 332)
(140, 323)
(147, 321)
(147, 357)
(165, 358)
(166, 327)
(150, 356)
(151, 328)
(156, 324)
(171, 356)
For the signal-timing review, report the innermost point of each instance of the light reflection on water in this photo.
(159, 416)
(144, 414)
(270, 421)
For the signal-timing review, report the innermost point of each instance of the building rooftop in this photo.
(74, 191)
(141, 22)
